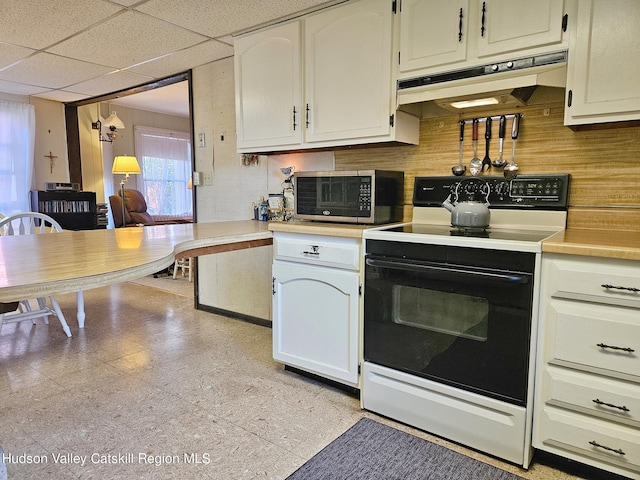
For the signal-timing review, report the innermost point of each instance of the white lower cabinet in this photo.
(316, 307)
(587, 400)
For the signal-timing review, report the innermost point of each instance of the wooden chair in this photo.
(29, 223)
(184, 265)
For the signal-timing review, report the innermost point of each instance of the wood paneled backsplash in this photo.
(604, 164)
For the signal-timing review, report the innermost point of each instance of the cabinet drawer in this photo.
(318, 250)
(594, 280)
(607, 443)
(595, 338)
(598, 396)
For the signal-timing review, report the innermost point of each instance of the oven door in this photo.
(468, 327)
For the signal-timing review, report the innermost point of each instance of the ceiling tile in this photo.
(54, 20)
(138, 38)
(61, 96)
(44, 69)
(219, 18)
(10, 54)
(185, 59)
(19, 88)
(112, 82)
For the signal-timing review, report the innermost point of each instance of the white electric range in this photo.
(451, 315)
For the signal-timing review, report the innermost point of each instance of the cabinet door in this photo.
(512, 25)
(348, 71)
(433, 33)
(267, 87)
(315, 320)
(603, 68)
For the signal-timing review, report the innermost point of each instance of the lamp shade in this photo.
(113, 121)
(125, 164)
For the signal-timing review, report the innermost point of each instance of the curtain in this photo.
(165, 161)
(17, 141)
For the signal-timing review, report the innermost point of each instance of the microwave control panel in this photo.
(364, 197)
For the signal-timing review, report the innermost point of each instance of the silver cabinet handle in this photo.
(605, 404)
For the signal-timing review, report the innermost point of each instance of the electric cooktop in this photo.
(524, 211)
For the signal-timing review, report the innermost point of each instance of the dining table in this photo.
(35, 266)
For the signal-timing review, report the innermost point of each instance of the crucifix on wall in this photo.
(51, 157)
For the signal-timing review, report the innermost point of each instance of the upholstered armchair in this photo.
(135, 209)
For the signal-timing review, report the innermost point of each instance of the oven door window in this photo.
(463, 326)
(451, 313)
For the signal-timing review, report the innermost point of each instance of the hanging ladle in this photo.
(501, 130)
(511, 170)
(460, 168)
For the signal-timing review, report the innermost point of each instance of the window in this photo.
(17, 140)
(165, 161)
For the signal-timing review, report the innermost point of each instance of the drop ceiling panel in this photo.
(20, 88)
(46, 70)
(11, 53)
(126, 40)
(185, 59)
(110, 83)
(219, 18)
(41, 23)
(60, 96)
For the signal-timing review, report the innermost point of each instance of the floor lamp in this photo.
(125, 165)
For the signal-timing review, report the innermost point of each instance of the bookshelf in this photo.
(72, 210)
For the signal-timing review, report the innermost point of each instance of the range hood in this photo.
(512, 82)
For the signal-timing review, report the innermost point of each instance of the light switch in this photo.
(201, 140)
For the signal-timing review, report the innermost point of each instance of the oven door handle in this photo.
(449, 272)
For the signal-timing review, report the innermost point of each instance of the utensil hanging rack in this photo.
(493, 118)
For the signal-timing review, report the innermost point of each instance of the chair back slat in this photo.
(28, 223)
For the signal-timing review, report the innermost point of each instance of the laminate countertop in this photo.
(619, 244)
(40, 265)
(320, 228)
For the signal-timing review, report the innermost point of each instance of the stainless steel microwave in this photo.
(362, 196)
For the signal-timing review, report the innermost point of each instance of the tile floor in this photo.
(152, 386)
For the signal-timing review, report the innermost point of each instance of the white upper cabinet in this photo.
(603, 67)
(321, 81)
(433, 33)
(267, 77)
(440, 35)
(512, 26)
(348, 71)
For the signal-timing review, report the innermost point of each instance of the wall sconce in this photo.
(113, 123)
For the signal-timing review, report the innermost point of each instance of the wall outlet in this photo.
(207, 178)
(201, 140)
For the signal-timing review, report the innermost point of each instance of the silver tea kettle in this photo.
(469, 213)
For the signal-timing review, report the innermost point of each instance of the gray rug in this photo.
(372, 451)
